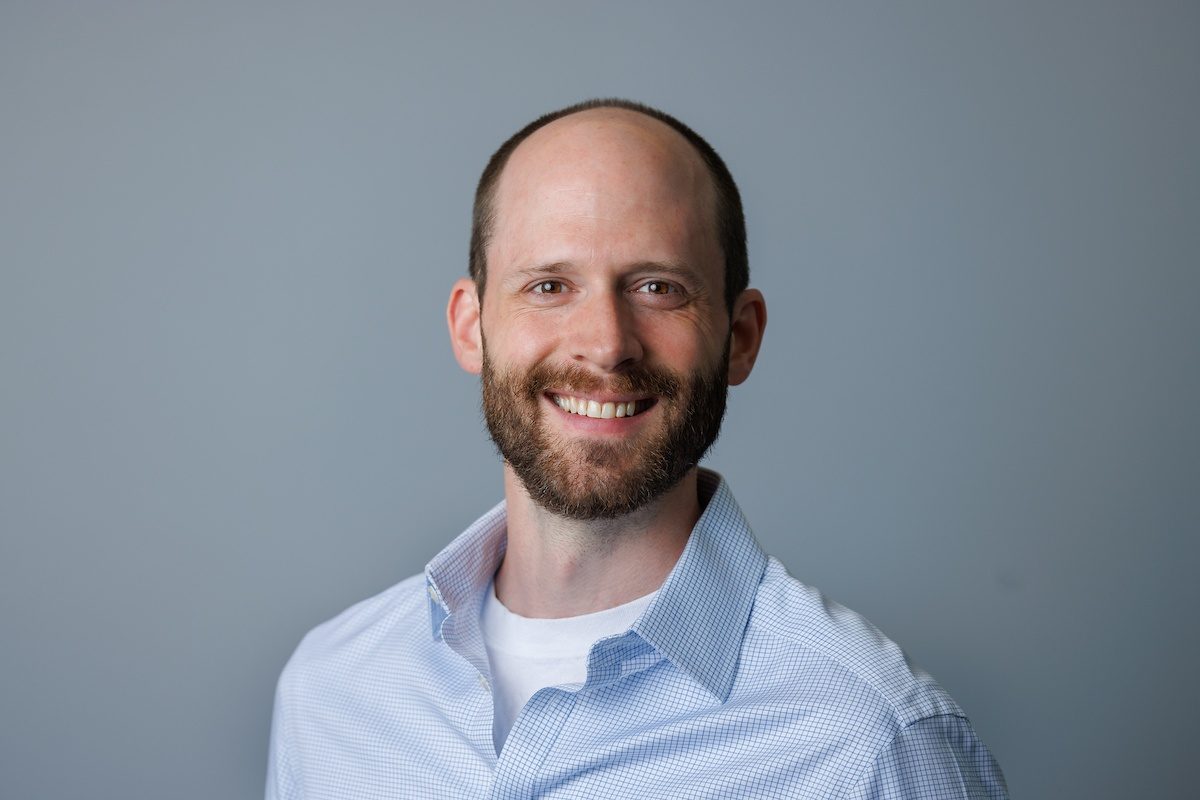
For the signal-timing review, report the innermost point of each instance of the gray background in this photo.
(229, 409)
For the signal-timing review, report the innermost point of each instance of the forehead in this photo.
(610, 173)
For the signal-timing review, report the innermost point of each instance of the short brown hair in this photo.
(730, 220)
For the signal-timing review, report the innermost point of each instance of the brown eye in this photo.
(548, 287)
(657, 287)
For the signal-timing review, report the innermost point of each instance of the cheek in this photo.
(683, 343)
(523, 339)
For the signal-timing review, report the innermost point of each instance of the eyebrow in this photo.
(542, 269)
(660, 267)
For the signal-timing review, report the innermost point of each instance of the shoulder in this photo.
(849, 683)
(836, 652)
(387, 621)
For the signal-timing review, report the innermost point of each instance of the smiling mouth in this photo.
(600, 410)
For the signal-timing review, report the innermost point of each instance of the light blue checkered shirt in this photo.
(737, 681)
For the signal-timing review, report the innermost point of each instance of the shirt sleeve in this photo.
(279, 779)
(934, 758)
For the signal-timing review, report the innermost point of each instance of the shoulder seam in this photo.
(886, 744)
(897, 716)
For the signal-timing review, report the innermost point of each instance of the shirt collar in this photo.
(457, 576)
(700, 615)
(697, 620)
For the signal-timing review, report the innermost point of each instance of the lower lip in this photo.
(612, 425)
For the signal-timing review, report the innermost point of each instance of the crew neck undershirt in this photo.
(530, 654)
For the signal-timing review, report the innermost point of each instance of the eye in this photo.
(658, 287)
(548, 287)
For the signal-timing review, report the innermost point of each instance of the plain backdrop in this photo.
(228, 407)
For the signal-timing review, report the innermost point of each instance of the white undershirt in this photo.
(530, 654)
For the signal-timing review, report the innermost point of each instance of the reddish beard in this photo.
(594, 478)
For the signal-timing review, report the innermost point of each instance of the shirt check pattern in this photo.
(738, 681)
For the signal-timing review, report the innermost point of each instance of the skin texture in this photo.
(604, 269)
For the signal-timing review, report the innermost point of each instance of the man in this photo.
(611, 629)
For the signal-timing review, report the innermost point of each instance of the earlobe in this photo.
(463, 318)
(747, 323)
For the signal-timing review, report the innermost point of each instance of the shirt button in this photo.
(484, 683)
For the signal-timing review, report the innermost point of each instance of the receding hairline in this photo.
(671, 139)
(725, 197)
(650, 134)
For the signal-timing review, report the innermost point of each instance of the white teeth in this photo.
(595, 409)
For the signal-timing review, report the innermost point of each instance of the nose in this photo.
(602, 332)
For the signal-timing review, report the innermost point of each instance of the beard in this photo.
(590, 478)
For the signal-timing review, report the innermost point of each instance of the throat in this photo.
(558, 567)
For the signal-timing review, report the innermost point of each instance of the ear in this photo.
(462, 315)
(746, 326)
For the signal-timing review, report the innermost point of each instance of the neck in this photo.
(560, 567)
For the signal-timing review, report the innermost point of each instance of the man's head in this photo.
(728, 219)
(608, 333)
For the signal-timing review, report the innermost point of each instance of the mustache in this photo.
(634, 380)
